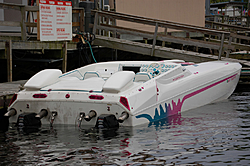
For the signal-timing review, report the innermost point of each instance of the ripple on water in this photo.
(216, 134)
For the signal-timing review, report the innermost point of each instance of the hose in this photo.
(91, 51)
(87, 38)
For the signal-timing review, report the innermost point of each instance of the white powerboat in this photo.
(127, 93)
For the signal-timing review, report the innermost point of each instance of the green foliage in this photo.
(217, 1)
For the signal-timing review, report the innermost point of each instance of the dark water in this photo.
(216, 134)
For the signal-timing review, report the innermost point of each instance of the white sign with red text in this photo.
(55, 20)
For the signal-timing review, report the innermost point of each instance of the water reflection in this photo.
(171, 120)
(217, 134)
(4, 121)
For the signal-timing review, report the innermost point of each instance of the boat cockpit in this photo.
(108, 76)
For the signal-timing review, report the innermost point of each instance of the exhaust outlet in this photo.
(42, 114)
(90, 115)
(123, 117)
(11, 112)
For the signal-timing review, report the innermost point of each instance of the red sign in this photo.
(55, 20)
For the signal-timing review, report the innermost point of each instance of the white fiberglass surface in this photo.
(43, 78)
(208, 66)
(94, 84)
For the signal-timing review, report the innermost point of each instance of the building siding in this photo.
(182, 11)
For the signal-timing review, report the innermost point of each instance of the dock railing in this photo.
(102, 28)
(24, 24)
(233, 29)
(105, 24)
(226, 19)
(26, 43)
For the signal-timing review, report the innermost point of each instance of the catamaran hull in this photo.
(144, 103)
(216, 91)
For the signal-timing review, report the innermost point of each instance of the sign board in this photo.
(55, 18)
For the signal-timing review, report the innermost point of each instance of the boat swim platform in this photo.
(159, 51)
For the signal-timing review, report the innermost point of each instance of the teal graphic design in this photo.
(176, 108)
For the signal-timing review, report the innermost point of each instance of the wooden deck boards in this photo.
(10, 88)
(163, 52)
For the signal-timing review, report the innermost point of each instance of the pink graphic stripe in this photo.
(176, 108)
(205, 88)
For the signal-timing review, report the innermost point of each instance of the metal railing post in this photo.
(165, 33)
(229, 43)
(221, 45)
(154, 40)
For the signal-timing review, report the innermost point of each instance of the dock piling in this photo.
(8, 55)
(64, 55)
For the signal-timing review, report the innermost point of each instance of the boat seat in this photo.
(90, 74)
(142, 77)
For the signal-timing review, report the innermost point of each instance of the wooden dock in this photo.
(223, 44)
(8, 89)
(159, 51)
(26, 41)
(107, 34)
